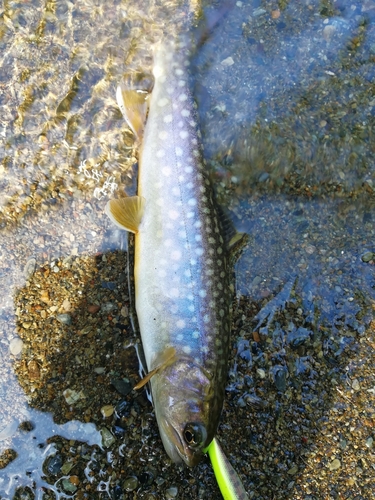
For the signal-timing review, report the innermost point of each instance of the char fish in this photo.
(182, 265)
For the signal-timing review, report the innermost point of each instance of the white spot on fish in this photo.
(187, 349)
(180, 124)
(179, 336)
(191, 308)
(190, 215)
(198, 237)
(168, 242)
(178, 151)
(195, 334)
(183, 134)
(173, 214)
(176, 191)
(206, 318)
(160, 153)
(168, 118)
(187, 273)
(188, 169)
(174, 292)
(180, 323)
(176, 255)
(179, 72)
(163, 135)
(185, 112)
(198, 224)
(166, 171)
(192, 202)
(163, 102)
(160, 202)
(193, 262)
(190, 296)
(202, 293)
(181, 83)
(182, 97)
(199, 251)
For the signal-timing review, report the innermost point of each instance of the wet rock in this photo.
(279, 375)
(130, 483)
(334, 465)
(15, 346)
(54, 464)
(29, 268)
(64, 318)
(107, 410)
(171, 492)
(68, 486)
(107, 438)
(122, 385)
(367, 256)
(71, 396)
(298, 337)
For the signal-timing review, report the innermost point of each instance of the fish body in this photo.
(181, 267)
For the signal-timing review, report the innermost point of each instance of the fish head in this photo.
(187, 410)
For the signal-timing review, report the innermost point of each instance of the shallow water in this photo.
(287, 104)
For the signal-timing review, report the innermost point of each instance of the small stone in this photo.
(334, 465)
(261, 373)
(93, 308)
(367, 256)
(68, 486)
(29, 268)
(130, 483)
(355, 385)
(99, 370)
(107, 438)
(227, 62)
(369, 442)
(15, 346)
(293, 470)
(171, 492)
(71, 396)
(107, 411)
(74, 480)
(67, 467)
(328, 32)
(275, 14)
(66, 305)
(64, 318)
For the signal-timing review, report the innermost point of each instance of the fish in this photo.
(183, 260)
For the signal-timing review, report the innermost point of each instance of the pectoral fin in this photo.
(133, 105)
(162, 361)
(126, 212)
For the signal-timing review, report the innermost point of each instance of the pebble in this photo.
(93, 308)
(107, 437)
(171, 492)
(367, 256)
(71, 396)
(68, 486)
(107, 411)
(130, 483)
(64, 318)
(227, 62)
(15, 346)
(29, 268)
(334, 465)
(356, 385)
(369, 442)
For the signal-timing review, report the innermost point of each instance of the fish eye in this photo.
(194, 434)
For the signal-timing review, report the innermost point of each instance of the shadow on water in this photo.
(289, 135)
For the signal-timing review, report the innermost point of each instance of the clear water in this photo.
(287, 105)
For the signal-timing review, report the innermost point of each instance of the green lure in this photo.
(227, 478)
